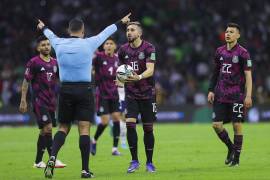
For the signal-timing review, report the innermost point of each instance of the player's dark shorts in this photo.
(44, 116)
(228, 112)
(76, 102)
(146, 107)
(107, 106)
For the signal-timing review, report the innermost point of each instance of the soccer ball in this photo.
(123, 72)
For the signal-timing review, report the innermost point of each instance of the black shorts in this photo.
(228, 112)
(107, 106)
(76, 102)
(44, 116)
(146, 107)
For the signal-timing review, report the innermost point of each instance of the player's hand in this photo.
(23, 106)
(248, 102)
(40, 24)
(133, 77)
(211, 97)
(118, 83)
(126, 19)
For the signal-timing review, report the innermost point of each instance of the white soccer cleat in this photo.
(59, 164)
(41, 164)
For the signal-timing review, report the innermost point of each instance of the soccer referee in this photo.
(76, 101)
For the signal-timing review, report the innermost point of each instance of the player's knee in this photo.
(217, 127)
(47, 129)
(237, 128)
(148, 127)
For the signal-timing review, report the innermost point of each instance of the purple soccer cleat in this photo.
(133, 166)
(150, 167)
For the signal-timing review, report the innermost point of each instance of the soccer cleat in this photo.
(41, 164)
(93, 148)
(150, 167)
(48, 172)
(230, 156)
(234, 163)
(116, 153)
(86, 174)
(59, 164)
(133, 166)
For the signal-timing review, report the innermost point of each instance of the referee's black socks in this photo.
(84, 144)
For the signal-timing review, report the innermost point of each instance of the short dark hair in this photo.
(110, 38)
(75, 24)
(137, 23)
(234, 25)
(41, 38)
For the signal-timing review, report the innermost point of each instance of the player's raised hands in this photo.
(40, 24)
(248, 102)
(211, 97)
(126, 19)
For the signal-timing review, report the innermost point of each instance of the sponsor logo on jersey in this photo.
(221, 58)
(42, 69)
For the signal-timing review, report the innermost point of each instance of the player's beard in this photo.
(131, 40)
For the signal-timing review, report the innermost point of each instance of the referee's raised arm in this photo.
(97, 40)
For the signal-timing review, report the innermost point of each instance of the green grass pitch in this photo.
(182, 151)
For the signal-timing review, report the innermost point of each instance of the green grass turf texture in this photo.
(182, 151)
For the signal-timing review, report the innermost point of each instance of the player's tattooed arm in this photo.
(248, 99)
(23, 103)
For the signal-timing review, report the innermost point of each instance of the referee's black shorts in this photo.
(76, 102)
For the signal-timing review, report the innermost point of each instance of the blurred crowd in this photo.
(184, 32)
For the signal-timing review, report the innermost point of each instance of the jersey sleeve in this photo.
(214, 77)
(52, 37)
(247, 62)
(96, 41)
(29, 71)
(151, 54)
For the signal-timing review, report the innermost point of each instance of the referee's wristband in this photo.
(118, 23)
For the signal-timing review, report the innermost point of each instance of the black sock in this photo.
(48, 143)
(149, 141)
(99, 131)
(132, 139)
(40, 148)
(85, 150)
(58, 141)
(224, 137)
(116, 133)
(238, 141)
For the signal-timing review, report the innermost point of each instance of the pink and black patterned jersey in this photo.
(43, 78)
(105, 75)
(228, 81)
(137, 59)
